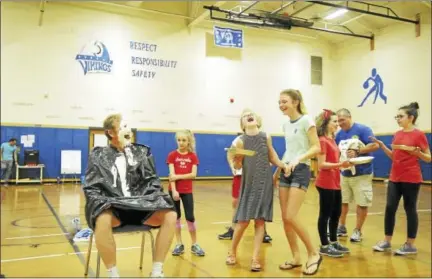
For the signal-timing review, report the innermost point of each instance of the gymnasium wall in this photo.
(45, 84)
(403, 62)
(45, 92)
(209, 149)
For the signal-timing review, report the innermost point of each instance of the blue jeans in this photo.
(299, 178)
(6, 166)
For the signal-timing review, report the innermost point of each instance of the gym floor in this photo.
(34, 239)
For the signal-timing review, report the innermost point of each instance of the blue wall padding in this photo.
(210, 149)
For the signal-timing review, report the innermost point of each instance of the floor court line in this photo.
(349, 214)
(382, 213)
(95, 251)
(60, 255)
(71, 242)
(36, 236)
(32, 258)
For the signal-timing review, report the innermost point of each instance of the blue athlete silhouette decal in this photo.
(378, 87)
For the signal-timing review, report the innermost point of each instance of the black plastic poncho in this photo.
(101, 193)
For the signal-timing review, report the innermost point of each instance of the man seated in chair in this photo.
(122, 188)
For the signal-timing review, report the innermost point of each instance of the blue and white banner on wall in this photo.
(228, 37)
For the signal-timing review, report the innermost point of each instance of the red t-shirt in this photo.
(329, 178)
(183, 164)
(406, 167)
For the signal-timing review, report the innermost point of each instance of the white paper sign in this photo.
(28, 144)
(100, 140)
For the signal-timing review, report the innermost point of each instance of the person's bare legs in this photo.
(234, 208)
(294, 201)
(347, 196)
(284, 193)
(362, 212)
(166, 219)
(178, 232)
(259, 235)
(239, 230)
(105, 242)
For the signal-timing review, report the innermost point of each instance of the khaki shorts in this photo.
(357, 189)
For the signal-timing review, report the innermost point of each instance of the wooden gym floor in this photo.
(34, 244)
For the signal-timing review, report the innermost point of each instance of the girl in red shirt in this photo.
(405, 177)
(182, 164)
(328, 184)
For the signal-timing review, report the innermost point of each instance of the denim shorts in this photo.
(299, 178)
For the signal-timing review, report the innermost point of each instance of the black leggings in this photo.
(330, 211)
(409, 192)
(188, 206)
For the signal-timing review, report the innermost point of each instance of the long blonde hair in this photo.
(258, 118)
(191, 139)
(296, 95)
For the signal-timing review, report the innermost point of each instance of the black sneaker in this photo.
(228, 235)
(330, 251)
(339, 247)
(267, 238)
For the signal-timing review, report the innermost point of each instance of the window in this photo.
(316, 70)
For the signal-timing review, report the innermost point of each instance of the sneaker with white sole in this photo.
(339, 247)
(342, 231)
(178, 250)
(197, 250)
(330, 251)
(406, 249)
(356, 236)
(382, 246)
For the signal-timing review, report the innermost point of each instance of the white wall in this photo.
(39, 69)
(404, 63)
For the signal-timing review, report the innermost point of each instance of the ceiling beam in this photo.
(205, 14)
(263, 21)
(363, 24)
(329, 4)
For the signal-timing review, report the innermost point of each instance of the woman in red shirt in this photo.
(405, 177)
(328, 184)
(183, 169)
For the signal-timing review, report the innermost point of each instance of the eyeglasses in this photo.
(399, 116)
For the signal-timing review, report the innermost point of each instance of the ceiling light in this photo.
(336, 14)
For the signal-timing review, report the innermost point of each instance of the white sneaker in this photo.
(356, 236)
